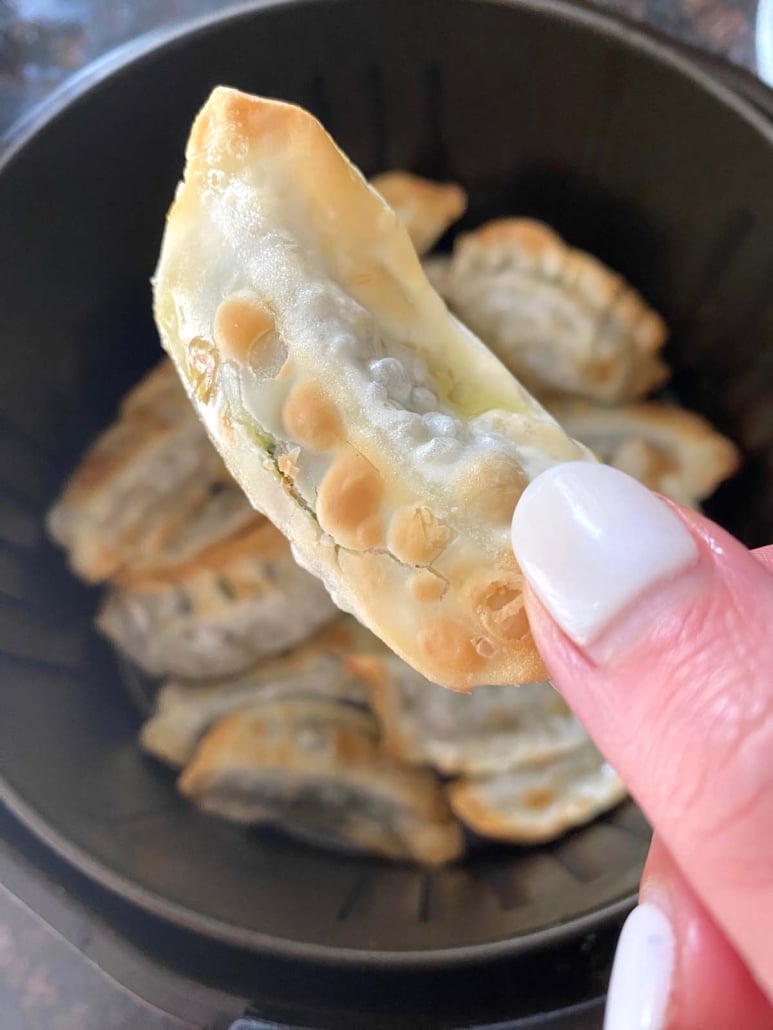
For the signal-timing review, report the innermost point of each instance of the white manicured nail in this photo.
(642, 972)
(590, 540)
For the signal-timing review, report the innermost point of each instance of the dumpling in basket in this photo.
(313, 766)
(425, 208)
(673, 451)
(222, 611)
(558, 318)
(184, 711)
(151, 492)
(540, 802)
(490, 730)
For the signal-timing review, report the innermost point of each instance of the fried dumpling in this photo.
(540, 802)
(223, 516)
(673, 451)
(313, 766)
(558, 318)
(184, 711)
(425, 208)
(224, 610)
(491, 730)
(151, 492)
(366, 422)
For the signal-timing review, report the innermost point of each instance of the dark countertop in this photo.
(43, 42)
(45, 984)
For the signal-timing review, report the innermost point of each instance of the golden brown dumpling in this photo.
(367, 423)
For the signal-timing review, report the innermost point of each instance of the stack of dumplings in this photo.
(273, 707)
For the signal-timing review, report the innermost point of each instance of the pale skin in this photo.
(678, 694)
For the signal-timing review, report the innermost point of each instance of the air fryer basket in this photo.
(537, 109)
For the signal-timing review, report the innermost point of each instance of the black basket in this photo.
(539, 109)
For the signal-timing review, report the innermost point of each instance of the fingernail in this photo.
(590, 540)
(642, 972)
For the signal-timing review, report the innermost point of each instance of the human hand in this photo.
(657, 628)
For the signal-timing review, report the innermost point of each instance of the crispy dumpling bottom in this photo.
(315, 764)
(538, 803)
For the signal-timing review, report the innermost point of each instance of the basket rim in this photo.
(129, 56)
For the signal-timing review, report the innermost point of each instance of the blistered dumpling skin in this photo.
(560, 320)
(673, 451)
(366, 422)
(540, 802)
(425, 208)
(313, 766)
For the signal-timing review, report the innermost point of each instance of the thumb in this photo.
(656, 626)
(710, 987)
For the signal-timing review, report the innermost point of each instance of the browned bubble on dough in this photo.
(245, 331)
(538, 798)
(499, 605)
(349, 502)
(448, 645)
(425, 586)
(416, 535)
(311, 418)
(492, 489)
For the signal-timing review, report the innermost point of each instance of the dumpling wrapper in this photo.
(425, 208)
(538, 803)
(369, 425)
(151, 492)
(242, 601)
(184, 711)
(491, 730)
(673, 451)
(313, 766)
(560, 320)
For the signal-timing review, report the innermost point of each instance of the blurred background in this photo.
(44, 42)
